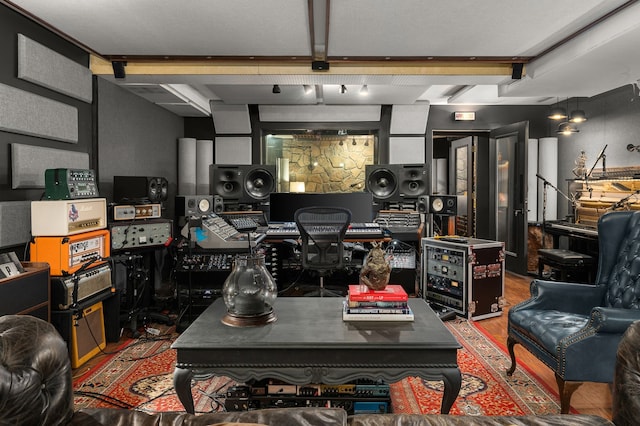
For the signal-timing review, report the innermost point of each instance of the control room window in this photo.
(320, 161)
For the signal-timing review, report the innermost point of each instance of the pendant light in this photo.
(557, 113)
(566, 128)
(577, 115)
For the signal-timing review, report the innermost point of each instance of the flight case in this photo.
(463, 274)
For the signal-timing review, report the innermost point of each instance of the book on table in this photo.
(364, 304)
(347, 315)
(391, 293)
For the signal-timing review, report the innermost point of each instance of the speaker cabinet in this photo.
(83, 329)
(243, 183)
(140, 189)
(218, 204)
(397, 182)
(423, 204)
(194, 205)
(443, 205)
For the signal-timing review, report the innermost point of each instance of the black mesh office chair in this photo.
(322, 230)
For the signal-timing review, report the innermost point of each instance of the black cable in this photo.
(105, 398)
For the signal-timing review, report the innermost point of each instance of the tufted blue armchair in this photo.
(574, 328)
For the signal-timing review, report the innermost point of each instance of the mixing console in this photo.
(356, 230)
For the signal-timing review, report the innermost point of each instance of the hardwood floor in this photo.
(590, 398)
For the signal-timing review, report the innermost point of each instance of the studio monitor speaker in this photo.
(381, 181)
(413, 180)
(157, 189)
(396, 182)
(443, 205)
(128, 189)
(218, 204)
(423, 204)
(243, 183)
(194, 205)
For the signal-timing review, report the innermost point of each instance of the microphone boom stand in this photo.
(544, 202)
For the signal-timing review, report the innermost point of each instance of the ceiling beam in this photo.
(101, 66)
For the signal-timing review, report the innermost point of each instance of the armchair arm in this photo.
(612, 320)
(567, 297)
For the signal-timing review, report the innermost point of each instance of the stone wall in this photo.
(330, 164)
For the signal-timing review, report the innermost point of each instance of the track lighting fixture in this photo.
(353, 142)
(276, 89)
(343, 88)
(364, 90)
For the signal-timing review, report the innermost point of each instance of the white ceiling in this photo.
(183, 54)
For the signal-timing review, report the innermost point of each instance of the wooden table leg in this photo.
(182, 384)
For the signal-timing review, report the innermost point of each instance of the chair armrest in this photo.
(562, 296)
(612, 320)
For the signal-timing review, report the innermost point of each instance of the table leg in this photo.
(452, 382)
(182, 384)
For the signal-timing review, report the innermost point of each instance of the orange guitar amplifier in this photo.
(65, 255)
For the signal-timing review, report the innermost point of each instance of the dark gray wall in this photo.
(135, 138)
(613, 119)
(12, 23)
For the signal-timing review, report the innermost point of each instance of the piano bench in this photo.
(569, 264)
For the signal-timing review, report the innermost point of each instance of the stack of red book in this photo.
(364, 304)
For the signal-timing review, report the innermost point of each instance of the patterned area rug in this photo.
(140, 376)
(486, 388)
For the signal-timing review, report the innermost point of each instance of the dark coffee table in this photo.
(309, 343)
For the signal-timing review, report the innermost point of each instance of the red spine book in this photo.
(391, 293)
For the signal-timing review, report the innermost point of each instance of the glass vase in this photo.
(249, 292)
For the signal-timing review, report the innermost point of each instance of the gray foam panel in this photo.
(15, 223)
(230, 119)
(45, 67)
(30, 114)
(28, 163)
(409, 119)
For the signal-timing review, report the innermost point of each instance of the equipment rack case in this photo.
(464, 274)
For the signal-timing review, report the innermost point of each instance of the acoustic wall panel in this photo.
(230, 119)
(318, 113)
(406, 150)
(187, 166)
(409, 119)
(204, 158)
(15, 223)
(28, 163)
(548, 169)
(45, 67)
(29, 114)
(233, 150)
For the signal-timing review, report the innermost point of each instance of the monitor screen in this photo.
(283, 205)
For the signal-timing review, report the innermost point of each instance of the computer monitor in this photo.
(283, 205)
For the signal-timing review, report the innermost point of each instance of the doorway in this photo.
(487, 171)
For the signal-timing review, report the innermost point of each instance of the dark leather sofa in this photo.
(36, 389)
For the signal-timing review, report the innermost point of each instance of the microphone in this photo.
(540, 177)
